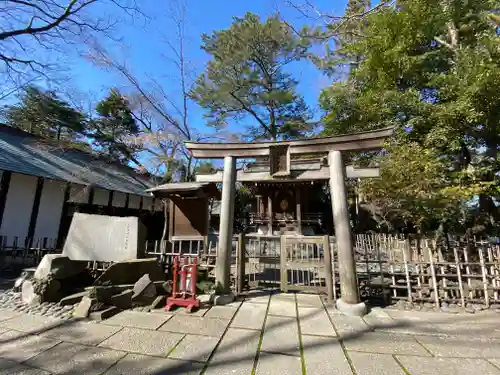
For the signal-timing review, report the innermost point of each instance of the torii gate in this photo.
(279, 154)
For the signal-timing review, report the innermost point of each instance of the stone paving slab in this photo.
(278, 364)
(223, 312)
(136, 319)
(375, 364)
(135, 364)
(81, 333)
(18, 346)
(281, 335)
(23, 370)
(324, 356)
(488, 330)
(447, 366)
(261, 298)
(143, 341)
(283, 306)
(67, 358)
(347, 326)
(309, 300)
(8, 314)
(250, 316)
(235, 354)
(196, 325)
(384, 343)
(195, 348)
(315, 321)
(8, 367)
(449, 346)
(31, 323)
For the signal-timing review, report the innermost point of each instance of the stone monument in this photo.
(105, 238)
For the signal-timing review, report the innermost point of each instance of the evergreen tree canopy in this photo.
(43, 113)
(115, 130)
(246, 79)
(431, 69)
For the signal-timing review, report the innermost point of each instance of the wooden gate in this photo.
(306, 264)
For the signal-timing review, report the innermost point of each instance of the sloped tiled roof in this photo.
(25, 153)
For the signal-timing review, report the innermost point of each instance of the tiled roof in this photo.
(24, 153)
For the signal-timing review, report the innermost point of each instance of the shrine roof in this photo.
(186, 190)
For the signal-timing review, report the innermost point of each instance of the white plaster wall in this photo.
(134, 201)
(50, 211)
(101, 197)
(119, 199)
(17, 213)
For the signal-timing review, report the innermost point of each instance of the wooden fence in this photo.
(17, 253)
(423, 271)
(388, 267)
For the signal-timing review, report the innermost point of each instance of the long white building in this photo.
(42, 184)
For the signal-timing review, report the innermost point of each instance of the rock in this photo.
(164, 287)
(123, 300)
(428, 305)
(470, 310)
(104, 314)
(444, 304)
(73, 298)
(478, 307)
(144, 289)
(28, 294)
(224, 299)
(446, 309)
(102, 293)
(159, 302)
(453, 306)
(129, 272)
(495, 306)
(82, 310)
(58, 266)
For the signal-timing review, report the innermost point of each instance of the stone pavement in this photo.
(264, 334)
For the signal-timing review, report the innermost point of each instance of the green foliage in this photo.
(430, 69)
(115, 131)
(246, 79)
(43, 113)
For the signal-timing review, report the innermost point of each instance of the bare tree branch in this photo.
(28, 26)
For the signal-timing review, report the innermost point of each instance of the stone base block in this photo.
(221, 299)
(358, 309)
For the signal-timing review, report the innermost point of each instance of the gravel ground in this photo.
(11, 300)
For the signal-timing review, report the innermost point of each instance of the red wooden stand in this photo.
(180, 296)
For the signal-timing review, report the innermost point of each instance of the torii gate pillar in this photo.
(349, 303)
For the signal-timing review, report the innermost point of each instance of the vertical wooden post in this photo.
(328, 269)
(485, 278)
(433, 275)
(459, 275)
(240, 264)
(270, 213)
(298, 209)
(467, 269)
(407, 273)
(493, 273)
(283, 266)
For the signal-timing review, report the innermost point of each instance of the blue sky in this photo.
(146, 53)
